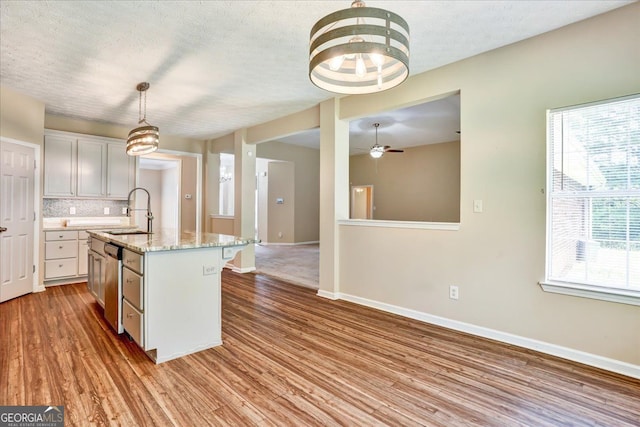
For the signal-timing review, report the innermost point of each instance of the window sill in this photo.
(451, 226)
(594, 292)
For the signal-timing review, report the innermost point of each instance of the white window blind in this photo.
(593, 230)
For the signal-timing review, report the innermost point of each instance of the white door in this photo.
(16, 220)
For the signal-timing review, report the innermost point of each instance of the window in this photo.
(593, 206)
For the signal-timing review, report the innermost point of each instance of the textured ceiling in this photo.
(218, 66)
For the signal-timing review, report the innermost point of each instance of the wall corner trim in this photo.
(594, 360)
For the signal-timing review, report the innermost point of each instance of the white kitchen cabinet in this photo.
(86, 166)
(92, 168)
(65, 256)
(133, 295)
(60, 254)
(83, 249)
(120, 171)
(60, 165)
(96, 269)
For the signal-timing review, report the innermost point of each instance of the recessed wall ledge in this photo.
(419, 225)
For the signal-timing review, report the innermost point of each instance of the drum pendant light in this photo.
(143, 139)
(359, 50)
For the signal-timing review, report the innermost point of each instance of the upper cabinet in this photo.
(60, 166)
(86, 166)
(92, 168)
(120, 173)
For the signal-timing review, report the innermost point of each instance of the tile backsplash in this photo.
(57, 208)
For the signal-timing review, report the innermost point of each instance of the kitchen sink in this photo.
(126, 232)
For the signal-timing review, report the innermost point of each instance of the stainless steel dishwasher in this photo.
(113, 287)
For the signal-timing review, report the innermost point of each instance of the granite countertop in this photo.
(87, 227)
(171, 240)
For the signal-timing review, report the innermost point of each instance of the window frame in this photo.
(625, 296)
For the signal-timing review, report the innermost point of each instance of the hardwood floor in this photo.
(292, 358)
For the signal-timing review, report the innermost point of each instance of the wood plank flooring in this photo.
(292, 358)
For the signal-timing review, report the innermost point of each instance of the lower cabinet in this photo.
(96, 266)
(132, 321)
(65, 256)
(133, 295)
(60, 254)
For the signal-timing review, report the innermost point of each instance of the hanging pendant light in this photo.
(359, 50)
(143, 139)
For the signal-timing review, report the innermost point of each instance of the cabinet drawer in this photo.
(60, 268)
(132, 288)
(60, 235)
(97, 245)
(133, 261)
(61, 249)
(132, 322)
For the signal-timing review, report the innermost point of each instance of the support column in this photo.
(334, 194)
(244, 199)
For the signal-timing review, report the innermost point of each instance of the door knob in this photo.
(3, 229)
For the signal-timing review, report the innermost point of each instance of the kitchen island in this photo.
(170, 288)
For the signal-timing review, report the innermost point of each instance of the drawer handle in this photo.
(129, 315)
(60, 237)
(129, 261)
(129, 281)
(59, 265)
(59, 247)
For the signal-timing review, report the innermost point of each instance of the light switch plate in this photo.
(477, 206)
(106, 211)
(72, 210)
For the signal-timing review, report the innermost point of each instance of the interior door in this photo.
(16, 220)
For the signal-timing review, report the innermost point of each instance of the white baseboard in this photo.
(288, 244)
(543, 347)
(328, 295)
(239, 270)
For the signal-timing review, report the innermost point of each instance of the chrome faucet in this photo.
(149, 214)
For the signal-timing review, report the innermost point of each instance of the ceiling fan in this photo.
(378, 150)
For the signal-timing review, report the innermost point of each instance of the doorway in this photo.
(175, 189)
(161, 177)
(362, 202)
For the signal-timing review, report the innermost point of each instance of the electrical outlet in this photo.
(72, 210)
(477, 206)
(208, 270)
(106, 211)
(453, 292)
(124, 211)
(280, 235)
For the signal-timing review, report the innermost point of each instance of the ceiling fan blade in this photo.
(394, 151)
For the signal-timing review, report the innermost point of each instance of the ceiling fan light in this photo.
(376, 151)
(372, 45)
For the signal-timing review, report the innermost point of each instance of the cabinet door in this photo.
(97, 277)
(59, 166)
(83, 251)
(92, 163)
(90, 278)
(119, 171)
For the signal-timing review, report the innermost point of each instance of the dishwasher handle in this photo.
(113, 251)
